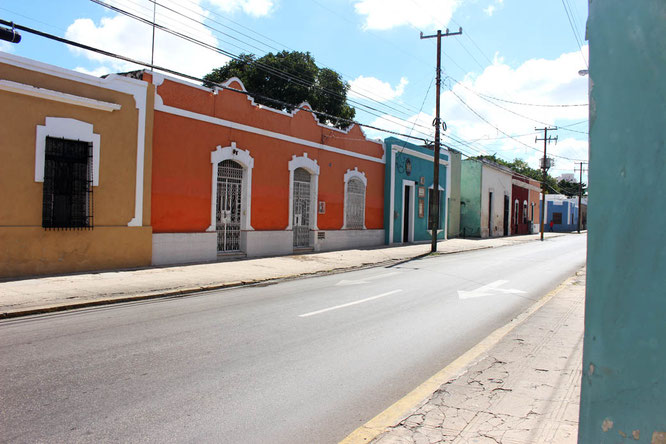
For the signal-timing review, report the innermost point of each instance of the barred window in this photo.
(355, 209)
(432, 210)
(67, 194)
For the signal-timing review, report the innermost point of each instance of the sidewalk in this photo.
(36, 295)
(524, 389)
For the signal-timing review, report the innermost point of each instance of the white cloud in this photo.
(489, 10)
(126, 36)
(536, 81)
(422, 14)
(97, 72)
(375, 88)
(6, 46)
(255, 8)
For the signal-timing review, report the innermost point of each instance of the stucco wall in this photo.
(499, 182)
(454, 199)
(624, 381)
(470, 198)
(29, 249)
(191, 122)
(419, 158)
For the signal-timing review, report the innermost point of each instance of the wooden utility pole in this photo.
(433, 212)
(580, 193)
(545, 164)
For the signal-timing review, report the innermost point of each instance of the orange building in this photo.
(233, 177)
(75, 153)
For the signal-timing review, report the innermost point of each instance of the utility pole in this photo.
(434, 209)
(152, 48)
(545, 164)
(580, 193)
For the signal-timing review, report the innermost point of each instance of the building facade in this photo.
(453, 205)
(562, 211)
(234, 177)
(410, 200)
(525, 194)
(75, 158)
(485, 199)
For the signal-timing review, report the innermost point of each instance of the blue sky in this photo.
(522, 51)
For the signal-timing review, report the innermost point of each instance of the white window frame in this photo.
(243, 158)
(65, 128)
(354, 174)
(310, 165)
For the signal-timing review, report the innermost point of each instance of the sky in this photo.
(514, 68)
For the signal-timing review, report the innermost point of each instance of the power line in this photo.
(498, 129)
(274, 71)
(575, 33)
(191, 77)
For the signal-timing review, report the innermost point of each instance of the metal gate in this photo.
(229, 187)
(301, 216)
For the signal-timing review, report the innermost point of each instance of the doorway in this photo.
(228, 206)
(506, 215)
(302, 208)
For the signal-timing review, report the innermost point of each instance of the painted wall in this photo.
(567, 207)
(192, 121)
(526, 191)
(534, 203)
(399, 153)
(454, 199)
(470, 198)
(624, 358)
(497, 181)
(29, 249)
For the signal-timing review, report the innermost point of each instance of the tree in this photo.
(290, 77)
(570, 189)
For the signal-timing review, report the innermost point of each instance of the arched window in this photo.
(515, 212)
(355, 204)
(524, 211)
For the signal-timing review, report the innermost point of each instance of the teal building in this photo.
(623, 397)
(409, 194)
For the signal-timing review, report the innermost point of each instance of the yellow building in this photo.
(75, 170)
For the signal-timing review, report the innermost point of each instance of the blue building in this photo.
(562, 211)
(409, 194)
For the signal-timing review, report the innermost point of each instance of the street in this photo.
(306, 360)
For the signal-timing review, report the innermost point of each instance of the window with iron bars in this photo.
(67, 194)
(355, 211)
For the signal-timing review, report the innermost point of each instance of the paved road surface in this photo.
(300, 361)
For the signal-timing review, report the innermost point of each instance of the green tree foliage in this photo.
(570, 189)
(291, 77)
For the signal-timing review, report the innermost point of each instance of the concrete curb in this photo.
(234, 284)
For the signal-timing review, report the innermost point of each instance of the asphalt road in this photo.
(305, 361)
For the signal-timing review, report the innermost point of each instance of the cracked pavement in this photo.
(525, 389)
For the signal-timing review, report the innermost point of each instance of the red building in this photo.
(230, 176)
(525, 193)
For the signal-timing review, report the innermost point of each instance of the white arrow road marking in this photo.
(488, 290)
(349, 304)
(365, 280)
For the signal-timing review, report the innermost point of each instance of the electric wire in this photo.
(191, 77)
(269, 69)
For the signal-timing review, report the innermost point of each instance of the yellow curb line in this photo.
(414, 399)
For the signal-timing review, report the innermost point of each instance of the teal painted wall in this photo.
(470, 196)
(419, 168)
(624, 360)
(454, 199)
